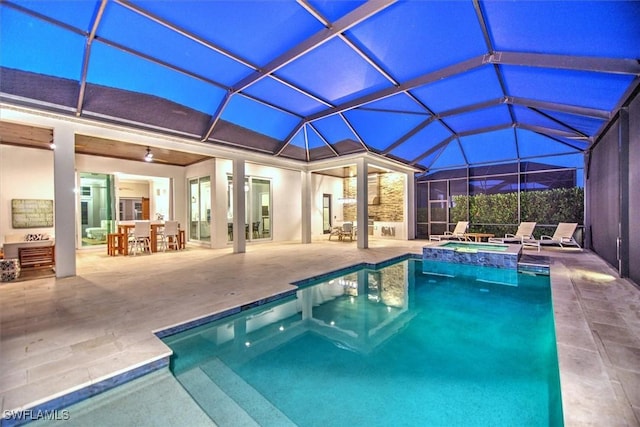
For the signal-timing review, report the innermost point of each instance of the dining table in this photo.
(126, 227)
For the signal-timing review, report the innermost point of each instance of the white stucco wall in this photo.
(286, 188)
(285, 192)
(25, 173)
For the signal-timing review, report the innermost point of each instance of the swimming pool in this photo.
(413, 343)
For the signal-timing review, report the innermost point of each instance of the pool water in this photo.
(415, 343)
(470, 246)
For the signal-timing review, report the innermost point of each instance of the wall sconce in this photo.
(149, 156)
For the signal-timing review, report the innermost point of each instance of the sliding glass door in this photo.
(257, 194)
(260, 208)
(200, 209)
(326, 213)
(96, 208)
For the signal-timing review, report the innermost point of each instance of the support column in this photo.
(362, 212)
(239, 220)
(305, 213)
(410, 206)
(64, 184)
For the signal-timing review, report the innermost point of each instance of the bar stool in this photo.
(181, 239)
(115, 243)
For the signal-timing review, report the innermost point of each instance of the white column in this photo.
(64, 184)
(220, 199)
(362, 213)
(239, 220)
(410, 206)
(305, 211)
(212, 203)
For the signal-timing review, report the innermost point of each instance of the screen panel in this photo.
(604, 186)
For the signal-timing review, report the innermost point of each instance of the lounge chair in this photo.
(562, 236)
(524, 232)
(456, 234)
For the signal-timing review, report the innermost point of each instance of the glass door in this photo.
(257, 193)
(438, 208)
(200, 209)
(326, 213)
(260, 208)
(96, 208)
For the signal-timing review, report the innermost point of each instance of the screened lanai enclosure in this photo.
(492, 98)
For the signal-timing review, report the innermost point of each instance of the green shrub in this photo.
(553, 206)
(544, 207)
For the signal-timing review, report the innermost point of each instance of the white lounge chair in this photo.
(563, 236)
(456, 234)
(524, 232)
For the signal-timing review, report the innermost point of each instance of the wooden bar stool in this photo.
(115, 244)
(181, 239)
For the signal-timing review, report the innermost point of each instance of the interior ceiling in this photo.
(41, 138)
(92, 145)
(25, 136)
(434, 84)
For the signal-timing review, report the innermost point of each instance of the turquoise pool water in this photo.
(470, 246)
(415, 343)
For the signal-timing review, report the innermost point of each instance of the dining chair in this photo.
(141, 238)
(170, 235)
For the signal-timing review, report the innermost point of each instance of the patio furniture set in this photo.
(563, 235)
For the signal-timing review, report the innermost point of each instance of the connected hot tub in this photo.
(471, 253)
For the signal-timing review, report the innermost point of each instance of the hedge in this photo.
(543, 206)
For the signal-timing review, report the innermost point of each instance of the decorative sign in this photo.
(31, 213)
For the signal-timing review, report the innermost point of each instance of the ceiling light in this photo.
(149, 156)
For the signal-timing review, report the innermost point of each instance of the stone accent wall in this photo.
(470, 256)
(391, 207)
